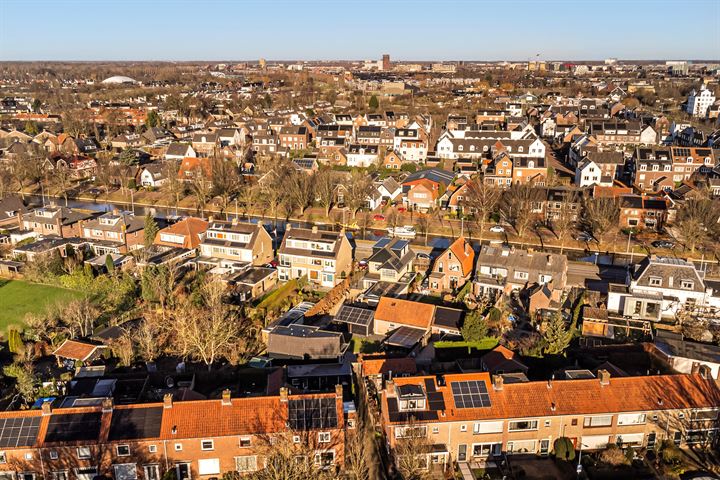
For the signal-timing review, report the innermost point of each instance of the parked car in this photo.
(401, 209)
(378, 217)
(362, 264)
(663, 244)
(497, 229)
(584, 237)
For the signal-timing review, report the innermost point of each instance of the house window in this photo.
(324, 437)
(521, 275)
(655, 281)
(245, 442)
(296, 438)
(122, 450)
(463, 428)
(598, 421)
(83, 452)
(687, 284)
(207, 445)
(178, 447)
(631, 419)
(3, 457)
(53, 455)
(522, 425)
(324, 459)
(436, 430)
(152, 448)
(61, 475)
(246, 463)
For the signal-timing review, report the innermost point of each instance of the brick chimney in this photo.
(338, 391)
(107, 405)
(283, 394)
(390, 388)
(46, 408)
(314, 229)
(167, 400)
(604, 377)
(226, 397)
(498, 382)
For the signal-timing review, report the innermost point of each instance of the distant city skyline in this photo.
(421, 30)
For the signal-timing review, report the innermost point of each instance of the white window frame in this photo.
(205, 448)
(324, 437)
(83, 455)
(124, 446)
(251, 466)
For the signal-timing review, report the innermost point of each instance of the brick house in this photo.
(453, 267)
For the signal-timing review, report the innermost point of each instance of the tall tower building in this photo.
(386, 62)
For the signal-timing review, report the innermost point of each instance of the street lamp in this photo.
(579, 468)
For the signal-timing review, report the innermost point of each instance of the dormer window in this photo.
(687, 284)
(643, 168)
(411, 398)
(655, 282)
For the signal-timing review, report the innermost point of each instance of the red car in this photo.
(378, 217)
(401, 209)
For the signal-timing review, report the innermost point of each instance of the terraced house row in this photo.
(196, 439)
(477, 418)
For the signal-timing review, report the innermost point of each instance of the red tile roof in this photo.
(75, 350)
(576, 397)
(405, 312)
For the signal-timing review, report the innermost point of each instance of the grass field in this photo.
(17, 298)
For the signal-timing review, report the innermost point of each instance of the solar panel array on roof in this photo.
(312, 413)
(470, 394)
(72, 427)
(19, 431)
(135, 423)
(406, 337)
(355, 315)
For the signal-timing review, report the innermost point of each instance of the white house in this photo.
(362, 156)
(698, 103)
(589, 173)
(151, 175)
(178, 151)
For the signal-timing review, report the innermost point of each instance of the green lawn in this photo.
(17, 298)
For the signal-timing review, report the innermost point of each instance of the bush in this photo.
(614, 456)
(564, 449)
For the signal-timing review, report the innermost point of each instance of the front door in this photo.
(544, 447)
(183, 471)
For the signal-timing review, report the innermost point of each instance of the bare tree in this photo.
(149, 338)
(601, 216)
(519, 205)
(411, 452)
(172, 185)
(201, 187)
(563, 223)
(299, 189)
(325, 183)
(123, 347)
(696, 221)
(207, 332)
(226, 180)
(286, 460)
(481, 199)
(249, 196)
(80, 317)
(423, 225)
(358, 187)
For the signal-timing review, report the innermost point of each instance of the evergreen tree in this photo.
(474, 329)
(373, 103)
(151, 230)
(556, 335)
(152, 119)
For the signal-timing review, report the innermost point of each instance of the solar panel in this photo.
(135, 423)
(73, 426)
(312, 413)
(470, 394)
(405, 337)
(355, 315)
(19, 431)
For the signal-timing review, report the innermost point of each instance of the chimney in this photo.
(390, 388)
(498, 382)
(288, 227)
(604, 376)
(467, 248)
(670, 281)
(283, 394)
(46, 408)
(695, 369)
(338, 391)
(553, 406)
(167, 400)
(549, 384)
(107, 405)
(115, 211)
(234, 220)
(549, 260)
(226, 397)
(210, 219)
(314, 229)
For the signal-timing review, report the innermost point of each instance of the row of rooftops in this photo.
(492, 399)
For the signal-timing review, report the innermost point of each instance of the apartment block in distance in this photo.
(324, 257)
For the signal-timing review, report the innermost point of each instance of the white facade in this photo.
(588, 173)
(698, 103)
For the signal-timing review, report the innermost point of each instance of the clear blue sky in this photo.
(358, 29)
